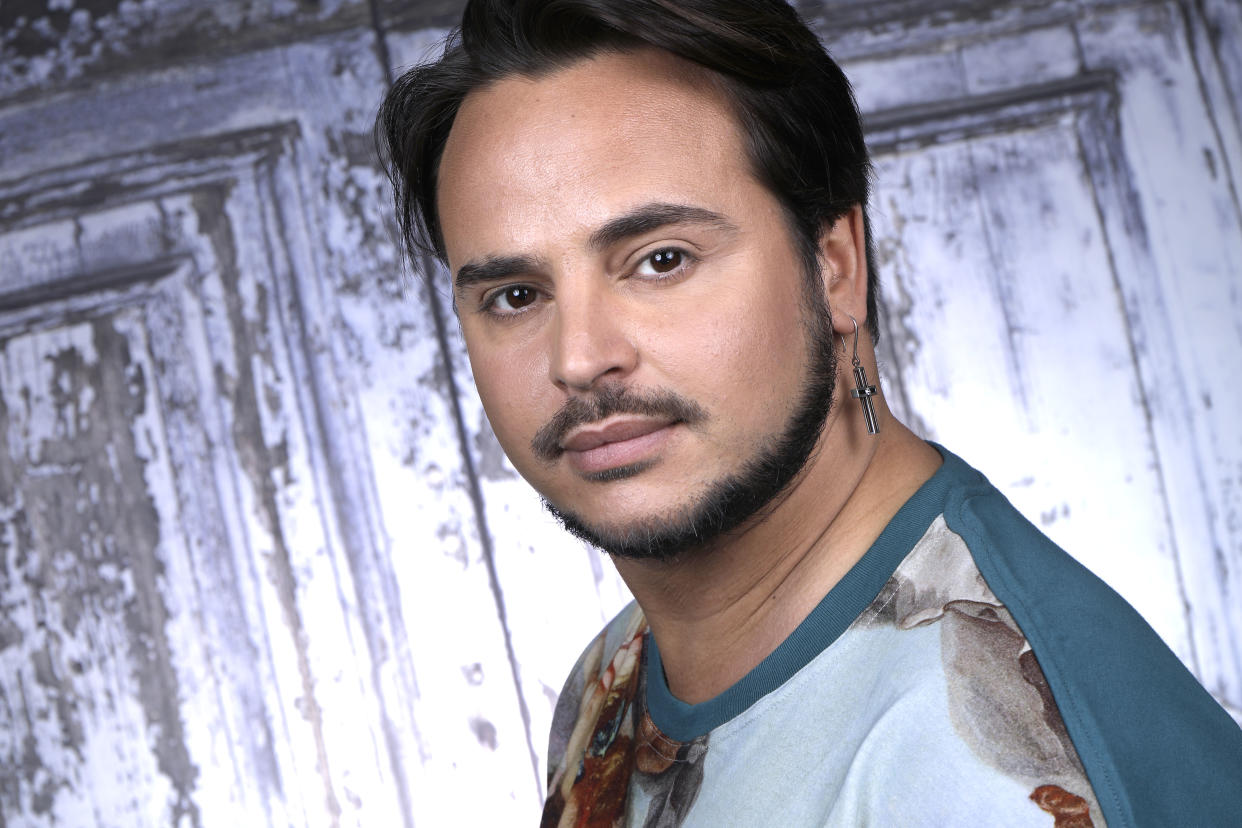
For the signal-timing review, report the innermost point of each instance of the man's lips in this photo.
(619, 442)
(616, 431)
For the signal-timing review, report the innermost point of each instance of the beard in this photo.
(728, 502)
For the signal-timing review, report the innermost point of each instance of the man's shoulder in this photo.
(1131, 707)
(599, 655)
(604, 646)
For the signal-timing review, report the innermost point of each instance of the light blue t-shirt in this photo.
(965, 671)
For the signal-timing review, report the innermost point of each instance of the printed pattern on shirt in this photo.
(998, 703)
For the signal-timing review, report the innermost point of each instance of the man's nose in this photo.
(590, 343)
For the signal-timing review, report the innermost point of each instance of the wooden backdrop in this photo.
(261, 560)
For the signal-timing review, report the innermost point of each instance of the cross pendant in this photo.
(863, 393)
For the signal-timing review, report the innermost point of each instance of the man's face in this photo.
(635, 309)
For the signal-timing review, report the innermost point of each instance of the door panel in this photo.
(995, 253)
(285, 690)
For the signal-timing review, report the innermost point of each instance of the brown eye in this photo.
(663, 261)
(514, 298)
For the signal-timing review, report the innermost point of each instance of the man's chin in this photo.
(653, 539)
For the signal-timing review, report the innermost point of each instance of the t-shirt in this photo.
(965, 671)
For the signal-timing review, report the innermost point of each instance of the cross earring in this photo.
(863, 391)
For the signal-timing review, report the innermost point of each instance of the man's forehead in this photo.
(614, 100)
(604, 133)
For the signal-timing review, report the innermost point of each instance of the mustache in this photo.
(578, 411)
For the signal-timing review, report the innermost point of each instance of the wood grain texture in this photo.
(47, 44)
(1030, 313)
(262, 561)
(379, 675)
(1183, 304)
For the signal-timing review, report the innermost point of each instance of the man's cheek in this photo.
(513, 413)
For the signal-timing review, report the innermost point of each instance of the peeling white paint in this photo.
(324, 580)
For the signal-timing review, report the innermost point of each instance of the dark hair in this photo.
(794, 104)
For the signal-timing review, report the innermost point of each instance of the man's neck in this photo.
(717, 612)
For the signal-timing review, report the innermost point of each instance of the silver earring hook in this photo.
(855, 321)
(855, 360)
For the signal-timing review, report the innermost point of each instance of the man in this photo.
(653, 212)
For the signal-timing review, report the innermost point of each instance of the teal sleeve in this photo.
(1156, 746)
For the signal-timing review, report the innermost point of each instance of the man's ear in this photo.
(843, 260)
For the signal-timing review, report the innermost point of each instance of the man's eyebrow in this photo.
(653, 216)
(492, 269)
(640, 220)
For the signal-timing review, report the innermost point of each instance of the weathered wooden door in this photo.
(261, 560)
